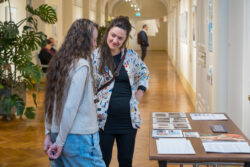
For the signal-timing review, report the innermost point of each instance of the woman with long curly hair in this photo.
(117, 103)
(70, 112)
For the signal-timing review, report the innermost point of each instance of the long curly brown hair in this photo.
(107, 59)
(77, 44)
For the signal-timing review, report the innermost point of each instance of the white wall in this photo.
(181, 49)
(246, 68)
(56, 30)
(19, 5)
(92, 11)
(52, 30)
(77, 12)
(221, 51)
(235, 60)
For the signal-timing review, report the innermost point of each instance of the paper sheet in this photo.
(226, 147)
(174, 146)
(200, 116)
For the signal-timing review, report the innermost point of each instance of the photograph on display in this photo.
(194, 24)
(177, 114)
(181, 126)
(163, 126)
(222, 137)
(183, 26)
(180, 120)
(166, 133)
(161, 120)
(191, 134)
(160, 114)
(210, 25)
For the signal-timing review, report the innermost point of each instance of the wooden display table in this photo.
(201, 157)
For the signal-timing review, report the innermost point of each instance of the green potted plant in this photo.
(17, 72)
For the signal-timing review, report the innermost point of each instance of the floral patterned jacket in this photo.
(138, 76)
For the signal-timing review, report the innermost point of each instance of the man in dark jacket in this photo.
(143, 41)
(46, 53)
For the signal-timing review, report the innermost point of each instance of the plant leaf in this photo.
(45, 12)
(34, 98)
(32, 72)
(29, 112)
(1, 1)
(7, 104)
(1, 86)
(20, 105)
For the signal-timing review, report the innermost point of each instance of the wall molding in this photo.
(188, 88)
(186, 84)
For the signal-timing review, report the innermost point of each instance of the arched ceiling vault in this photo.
(112, 3)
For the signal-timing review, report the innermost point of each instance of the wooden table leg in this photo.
(162, 163)
(247, 164)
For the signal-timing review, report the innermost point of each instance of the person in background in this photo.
(71, 127)
(117, 102)
(52, 43)
(47, 52)
(143, 41)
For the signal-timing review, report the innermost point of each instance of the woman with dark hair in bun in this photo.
(121, 79)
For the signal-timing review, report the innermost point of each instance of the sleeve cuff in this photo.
(143, 88)
(47, 131)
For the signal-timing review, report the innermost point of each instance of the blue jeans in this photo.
(79, 151)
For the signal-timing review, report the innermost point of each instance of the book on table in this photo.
(225, 143)
(218, 128)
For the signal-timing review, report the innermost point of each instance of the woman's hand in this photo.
(139, 94)
(47, 143)
(55, 151)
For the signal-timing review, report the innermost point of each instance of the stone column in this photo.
(85, 8)
(67, 15)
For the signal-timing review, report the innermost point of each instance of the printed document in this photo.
(174, 146)
(200, 116)
(226, 147)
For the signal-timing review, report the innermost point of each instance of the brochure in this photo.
(177, 114)
(166, 133)
(160, 114)
(163, 126)
(180, 120)
(226, 147)
(221, 137)
(225, 143)
(182, 126)
(169, 115)
(202, 116)
(191, 134)
(161, 120)
(170, 120)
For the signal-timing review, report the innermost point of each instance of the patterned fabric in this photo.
(138, 76)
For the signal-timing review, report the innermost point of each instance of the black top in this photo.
(45, 56)
(119, 120)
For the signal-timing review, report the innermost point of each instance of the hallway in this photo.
(21, 141)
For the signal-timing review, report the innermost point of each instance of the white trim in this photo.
(246, 78)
